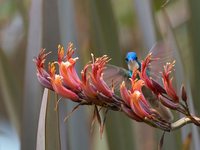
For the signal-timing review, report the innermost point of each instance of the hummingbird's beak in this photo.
(132, 64)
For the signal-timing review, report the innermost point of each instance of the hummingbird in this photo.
(114, 76)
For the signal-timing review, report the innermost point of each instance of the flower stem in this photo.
(185, 120)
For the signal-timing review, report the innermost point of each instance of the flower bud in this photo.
(183, 93)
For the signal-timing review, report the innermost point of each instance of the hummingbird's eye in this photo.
(136, 58)
(126, 59)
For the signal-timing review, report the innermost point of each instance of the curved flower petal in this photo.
(70, 76)
(61, 53)
(137, 85)
(44, 81)
(42, 75)
(125, 94)
(88, 89)
(56, 81)
(149, 82)
(60, 89)
(168, 103)
(167, 81)
(97, 76)
(130, 113)
(135, 105)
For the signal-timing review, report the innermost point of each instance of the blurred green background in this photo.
(110, 27)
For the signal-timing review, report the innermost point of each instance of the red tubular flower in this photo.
(42, 75)
(70, 77)
(88, 89)
(67, 68)
(149, 82)
(144, 76)
(139, 104)
(135, 99)
(137, 85)
(97, 76)
(56, 81)
(167, 81)
(125, 94)
(129, 112)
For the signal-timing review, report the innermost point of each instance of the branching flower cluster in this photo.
(91, 89)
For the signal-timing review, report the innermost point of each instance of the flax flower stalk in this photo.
(91, 89)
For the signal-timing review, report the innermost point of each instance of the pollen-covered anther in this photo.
(60, 53)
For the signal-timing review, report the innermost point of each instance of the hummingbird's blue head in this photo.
(131, 56)
(132, 62)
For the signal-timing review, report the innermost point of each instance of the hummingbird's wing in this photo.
(114, 76)
(161, 54)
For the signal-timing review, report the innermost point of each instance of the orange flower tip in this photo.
(49, 78)
(122, 85)
(59, 46)
(76, 58)
(56, 76)
(92, 55)
(67, 63)
(137, 94)
(70, 44)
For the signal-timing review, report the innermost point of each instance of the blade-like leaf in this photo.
(161, 141)
(31, 105)
(52, 127)
(40, 145)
